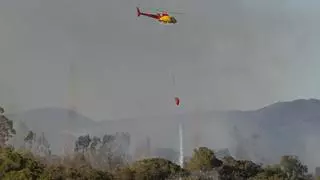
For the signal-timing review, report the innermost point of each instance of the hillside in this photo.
(283, 127)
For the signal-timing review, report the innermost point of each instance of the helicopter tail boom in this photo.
(138, 12)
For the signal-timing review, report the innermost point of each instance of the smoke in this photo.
(225, 54)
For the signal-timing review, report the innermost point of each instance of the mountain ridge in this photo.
(282, 127)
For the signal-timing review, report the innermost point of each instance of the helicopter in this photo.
(162, 16)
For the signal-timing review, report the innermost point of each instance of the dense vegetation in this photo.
(97, 158)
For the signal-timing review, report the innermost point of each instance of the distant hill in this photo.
(300, 110)
(263, 134)
(282, 127)
(55, 123)
(47, 119)
(275, 115)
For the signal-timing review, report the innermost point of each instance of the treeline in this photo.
(106, 158)
(203, 165)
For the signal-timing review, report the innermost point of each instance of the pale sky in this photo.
(226, 54)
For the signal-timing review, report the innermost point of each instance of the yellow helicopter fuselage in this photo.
(166, 19)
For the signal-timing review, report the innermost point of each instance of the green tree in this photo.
(238, 169)
(30, 139)
(85, 173)
(203, 159)
(14, 165)
(293, 168)
(6, 128)
(289, 168)
(123, 173)
(271, 172)
(246, 169)
(155, 168)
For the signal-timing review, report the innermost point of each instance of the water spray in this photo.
(177, 101)
(181, 144)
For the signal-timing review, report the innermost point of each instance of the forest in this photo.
(107, 158)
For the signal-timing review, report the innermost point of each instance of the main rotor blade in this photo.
(176, 12)
(162, 10)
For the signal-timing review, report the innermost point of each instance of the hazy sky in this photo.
(226, 54)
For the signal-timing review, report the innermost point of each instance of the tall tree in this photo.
(107, 150)
(293, 168)
(30, 139)
(114, 149)
(6, 128)
(82, 143)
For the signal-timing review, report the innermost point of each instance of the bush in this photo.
(155, 168)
